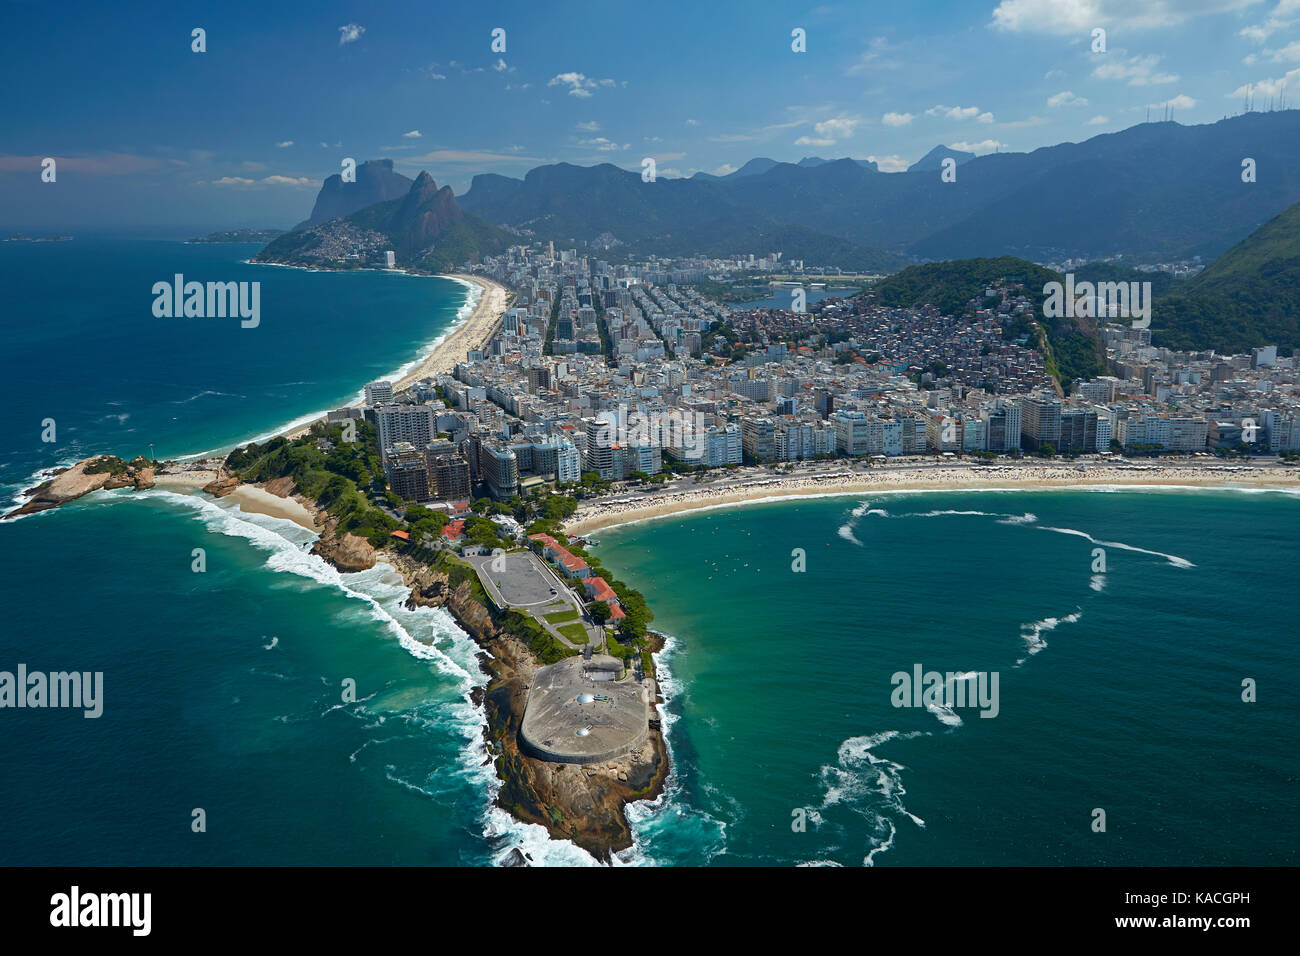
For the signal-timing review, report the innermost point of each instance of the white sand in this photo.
(596, 516)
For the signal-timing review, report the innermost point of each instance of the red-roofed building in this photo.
(562, 557)
(404, 536)
(454, 530)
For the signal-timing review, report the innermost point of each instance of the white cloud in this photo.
(1138, 70)
(897, 119)
(1079, 17)
(960, 113)
(830, 131)
(979, 149)
(590, 126)
(724, 169)
(501, 66)
(692, 122)
(1098, 120)
(233, 181)
(890, 164)
(1266, 88)
(579, 85)
(413, 134)
(285, 144)
(1179, 102)
(599, 143)
(350, 33)
(1066, 98)
(1283, 16)
(288, 180)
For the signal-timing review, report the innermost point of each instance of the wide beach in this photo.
(757, 485)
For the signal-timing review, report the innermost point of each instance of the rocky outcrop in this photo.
(346, 551)
(282, 487)
(90, 474)
(221, 486)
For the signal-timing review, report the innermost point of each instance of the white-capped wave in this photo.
(1173, 559)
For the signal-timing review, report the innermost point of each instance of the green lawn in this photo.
(576, 633)
(562, 617)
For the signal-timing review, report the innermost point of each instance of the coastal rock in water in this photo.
(67, 485)
(515, 858)
(348, 552)
(221, 487)
(144, 479)
(428, 589)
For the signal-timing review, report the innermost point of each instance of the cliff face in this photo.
(376, 182)
(347, 552)
(584, 804)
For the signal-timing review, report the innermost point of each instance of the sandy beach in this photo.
(625, 509)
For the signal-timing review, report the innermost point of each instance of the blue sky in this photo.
(147, 133)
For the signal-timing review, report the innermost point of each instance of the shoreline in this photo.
(590, 519)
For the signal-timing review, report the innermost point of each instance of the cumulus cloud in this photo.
(960, 113)
(1266, 88)
(599, 143)
(1098, 120)
(890, 164)
(350, 33)
(1066, 98)
(413, 134)
(287, 143)
(579, 84)
(897, 119)
(979, 149)
(590, 126)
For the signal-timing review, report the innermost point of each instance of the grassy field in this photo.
(576, 633)
(562, 617)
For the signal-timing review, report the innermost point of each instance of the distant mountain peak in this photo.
(376, 182)
(933, 160)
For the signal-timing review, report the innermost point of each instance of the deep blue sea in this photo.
(1118, 691)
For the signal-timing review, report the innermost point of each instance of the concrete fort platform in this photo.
(577, 714)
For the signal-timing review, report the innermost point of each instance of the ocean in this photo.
(224, 690)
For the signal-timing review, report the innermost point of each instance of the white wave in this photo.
(1173, 559)
(869, 786)
(946, 714)
(845, 531)
(1032, 633)
(274, 642)
(669, 812)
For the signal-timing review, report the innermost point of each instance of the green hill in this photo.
(1248, 297)
(1071, 347)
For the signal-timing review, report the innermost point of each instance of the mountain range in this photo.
(1153, 192)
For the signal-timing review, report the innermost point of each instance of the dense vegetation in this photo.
(1248, 297)
(346, 480)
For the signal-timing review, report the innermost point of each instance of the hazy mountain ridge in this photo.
(1153, 192)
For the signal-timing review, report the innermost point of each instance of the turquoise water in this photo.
(1120, 691)
(223, 689)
